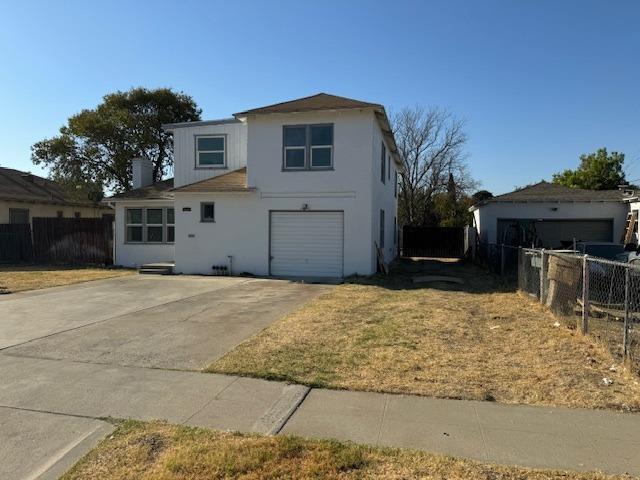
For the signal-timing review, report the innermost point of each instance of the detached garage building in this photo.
(552, 215)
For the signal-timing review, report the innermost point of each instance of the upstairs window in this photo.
(383, 159)
(210, 151)
(307, 147)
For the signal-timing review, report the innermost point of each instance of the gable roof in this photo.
(319, 101)
(22, 186)
(155, 191)
(234, 181)
(553, 192)
(326, 101)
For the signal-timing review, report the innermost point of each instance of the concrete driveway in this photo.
(74, 354)
(171, 322)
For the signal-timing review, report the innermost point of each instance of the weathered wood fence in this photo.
(432, 241)
(15, 243)
(58, 240)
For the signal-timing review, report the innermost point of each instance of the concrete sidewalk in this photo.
(529, 436)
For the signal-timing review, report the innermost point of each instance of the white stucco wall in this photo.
(137, 254)
(185, 170)
(383, 195)
(45, 210)
(486, 217)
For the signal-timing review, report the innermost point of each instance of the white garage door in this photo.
(306, 244)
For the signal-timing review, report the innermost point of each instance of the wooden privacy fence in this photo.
(15, 243)
(432, 241)
(73, 240)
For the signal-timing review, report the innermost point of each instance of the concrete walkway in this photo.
(53, 406)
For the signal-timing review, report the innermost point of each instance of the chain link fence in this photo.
(597, 296)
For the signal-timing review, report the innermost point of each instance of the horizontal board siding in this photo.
(307, 243)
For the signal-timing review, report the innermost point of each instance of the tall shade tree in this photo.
(431, 143)
(597, 171)
(96, 146)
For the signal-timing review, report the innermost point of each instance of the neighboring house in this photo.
(299, 188)
(557, 214)
(24, 196)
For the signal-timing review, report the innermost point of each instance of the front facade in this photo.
(303, 189)
(552, 216)
(24, 196)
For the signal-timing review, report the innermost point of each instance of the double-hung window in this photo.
(307, 147)
(210, 151)
(150, 225)
(383, 159)
(134, 224)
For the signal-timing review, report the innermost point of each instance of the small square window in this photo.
(207, 212)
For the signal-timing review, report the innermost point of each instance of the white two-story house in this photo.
(301, 188)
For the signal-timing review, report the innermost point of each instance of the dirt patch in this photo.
(479, 341)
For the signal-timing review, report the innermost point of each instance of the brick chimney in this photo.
(142, 170)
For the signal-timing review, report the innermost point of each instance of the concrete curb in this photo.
(67, 457)
(274, 419)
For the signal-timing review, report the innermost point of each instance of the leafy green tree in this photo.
(597, 171)
(481, 196)
(94, 149)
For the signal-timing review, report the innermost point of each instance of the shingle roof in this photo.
(552, 192)
(320, 101)
(26, 187)
(235, 181)
(155, 191)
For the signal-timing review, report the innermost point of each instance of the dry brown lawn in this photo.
(18, 278)
(477, 341)
(158, 451)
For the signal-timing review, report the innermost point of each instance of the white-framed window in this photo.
(149, 225)
(207, 212)
(307, 147)
(211, 151)
(134, 225)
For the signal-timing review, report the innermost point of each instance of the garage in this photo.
(552, 233)
(306, 244)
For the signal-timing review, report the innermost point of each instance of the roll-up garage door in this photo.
(306, 244)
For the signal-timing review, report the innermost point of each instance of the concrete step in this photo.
(163, 268)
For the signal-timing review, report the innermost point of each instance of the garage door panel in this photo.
(306, 243)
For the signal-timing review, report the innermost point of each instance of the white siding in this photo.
(185, 171)
(306, 244)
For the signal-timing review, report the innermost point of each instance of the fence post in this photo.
(502, 259)
(625, 335)
(585, 294)
(543, 273)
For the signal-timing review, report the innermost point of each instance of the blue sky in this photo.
(538, 82)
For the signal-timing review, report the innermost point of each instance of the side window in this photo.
(207, 212)
(383, 158)
(18, 215)
(389, 167)
(133, 225)
(307, 147)
(210, 151)
(395, 186)
(381, 228)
